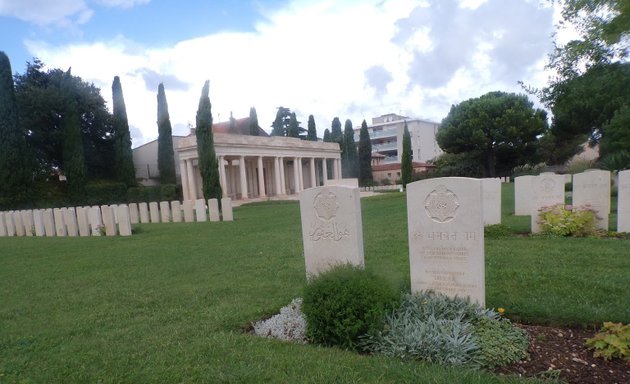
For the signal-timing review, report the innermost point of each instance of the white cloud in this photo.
(122, 3)
(61, 13)
(353, 60)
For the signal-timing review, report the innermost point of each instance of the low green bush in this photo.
(561, 220)
(105, 192)
(144, 194)
(612, 341)
(168, 192)
(500, 343)
(345, 303)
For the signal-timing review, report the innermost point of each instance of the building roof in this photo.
(241, 127)
(396, 166)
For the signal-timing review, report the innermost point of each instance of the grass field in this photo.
(169, 303)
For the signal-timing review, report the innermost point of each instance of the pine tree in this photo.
(254, 129)
(15, 171)
(406, 166)
(312, 129)
(336, 135)
(365, 155)
(123, 156)
(73, 156)
(166, 155)
(349, 157)
(208, 164)
(294, 129)
(281, 124)
(327, 138)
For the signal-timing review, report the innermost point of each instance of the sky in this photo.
(349, 59)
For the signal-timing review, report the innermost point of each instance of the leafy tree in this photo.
(312, 130)
(365, 155)
(208, 164)
(615, 144)
(254, 129)
(294, 128)
(349, 157)
(123, 157)
(166, 155)
(406, 165)
(501, 128)
(14, 157)
(327, 138)
(280, 125)
(336, 136)
(73, 157)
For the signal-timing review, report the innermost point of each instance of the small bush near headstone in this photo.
(345, 303)
(500, 343)
(612, 341)
(561, 220)
(168, 192)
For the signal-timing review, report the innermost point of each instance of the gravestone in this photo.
(60, 225)
(592, 188)
(19, 224)
(491, 201)
(38, 223)
(547, 191)
(332, 230)
(226, 209)
(82, 221)
(49, 223)
(200, 210)
(124, 220)
(165, 212)
(134, 215)
(189, 215)
(108, 220)
(176, 211)
(446, 238)
(522, 195)
(114, 212)
(29, 223)
(10, 224)
(70, 217)
(144, 212)
(96, 221)
(623, 201)
(213, 209)
(154, 210)
(3, 225)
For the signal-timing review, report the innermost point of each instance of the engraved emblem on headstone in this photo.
(326, 206)
(547, 185)
(441, 204)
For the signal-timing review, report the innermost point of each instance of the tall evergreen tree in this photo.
(327, 138)
(349, 157)
(166, 155)
(15, 171)
(73, 156)
(123, 156)
(294, 128)
(254, 129)
(280, 125)
(208, 164)
(406, 166)
(232, 124)
(335, 131)
(312, 129)
(365, 155)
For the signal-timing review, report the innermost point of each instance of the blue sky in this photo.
(348, 59)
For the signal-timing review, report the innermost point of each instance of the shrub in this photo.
(612, 341)
(561, 220)
(105, 192)
(168, 192)
(500, 343)
(144, 194)
(344, 303)
(497, 231)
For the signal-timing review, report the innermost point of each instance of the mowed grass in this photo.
(169, 304)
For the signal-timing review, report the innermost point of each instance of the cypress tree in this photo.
(15, 172)
(208, 164)
(123, 157)
(349, 157)
(406, 166)
(312, 130)
(327, 138)
(254, 129)
(232, 124)
(335, 132)
(294, 130)
(72, 147)
(166, 155)
(365, 155)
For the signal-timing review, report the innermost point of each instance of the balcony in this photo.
(384, 147)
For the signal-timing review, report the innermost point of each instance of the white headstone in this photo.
(134, 215)
(144, 212)
(38, 223)
(522, 195)
(10, 224)
(491, 201)
(82, 221)
(19, 224)
(189, 215)
(96, 221)
(226, 209)
(29, 223)
(3, 226)
(108, 220)
(332, 230)
(124, 220)
(70, 217)
(200, 210)
(547, 191)
(592, 189)
(60, 225)
(176, 211)
(446, 239)
(623, 201)
(213, 209)
(165, 212)
(49, 223)
(154, 210)
(114, 212)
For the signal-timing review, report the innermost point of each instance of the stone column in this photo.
(283, 187)
(276, 175)
(312, 165)
(335, 169)
(241, 167)
(325, 170)
(301, 173)
(192, 186)
(261, 178)
(184, 176)
(222, 176)
(296, 174)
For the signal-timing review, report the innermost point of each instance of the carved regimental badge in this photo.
(325, 204)
(547, 185)
(441, 204)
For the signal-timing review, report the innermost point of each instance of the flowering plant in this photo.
(566, 220)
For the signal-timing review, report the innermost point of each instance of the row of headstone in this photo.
(446, 233)
(590, 189)
(73, 221)
(187, 211)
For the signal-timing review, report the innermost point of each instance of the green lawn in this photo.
(168, 304)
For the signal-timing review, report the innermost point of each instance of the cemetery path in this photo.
(562, 349)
